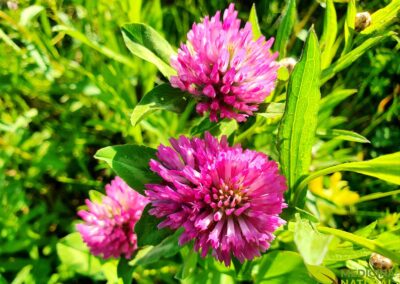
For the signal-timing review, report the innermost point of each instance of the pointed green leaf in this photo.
(95, 196)
(131, 163)
(383, 18)
(323, 274)
(147, 231)
(166, 248)
(253, 19)
(386, 167)
(29, 14)
(161, 97)
(342, 134)
(374, 246)
(285, 28)
(294, 140)
(329, 34)
(144, 42)
(350, 57)
(349, 25)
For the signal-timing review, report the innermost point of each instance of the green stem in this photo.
(366, 243)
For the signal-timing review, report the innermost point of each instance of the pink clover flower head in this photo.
(224, 68)
(108, 227)
(227, 199)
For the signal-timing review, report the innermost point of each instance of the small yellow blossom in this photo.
(338, 190)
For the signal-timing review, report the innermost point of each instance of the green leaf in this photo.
(350, 57)
(285, 28)
(188, 267)
(161, 97)
(253, 19)
(282, 267)
(377, 195)
(125, 271)
(361, 241)
(329, 34)
(131, 163)
(271, 110)
(294, 140)
(95, 45)
(165, 249)
(223, 127)
(349, 26)
(283, 74)
(329, 102)
(386, 167)
(341, 134)
(323, 274)
(30, 13)
(75, 255)
(95, 196)
(311, 244)
(367, 230)
(345, 253)
(289, 213)
(147, 231)
(382, 18)
(144, 42)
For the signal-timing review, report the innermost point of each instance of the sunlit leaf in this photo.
(329, 34)
(131, 163)
(161, 97)
(342, 134)
(323, 274)
(75, 255)
(350, 57)
(294, 140)
(383, 18)
(144, 42)
(349, 25)
(253, 19)
(285, 28)
(361, 241)
(386, 167)
(30, 13)
(282, 267)
(311, 244)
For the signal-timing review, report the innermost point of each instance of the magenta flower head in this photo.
(227, 199)
(226, 70)
(109, 226)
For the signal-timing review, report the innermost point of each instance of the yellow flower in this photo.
(338, 190)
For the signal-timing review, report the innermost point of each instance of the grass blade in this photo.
(329, 34)
(349, 26)
(285, 28)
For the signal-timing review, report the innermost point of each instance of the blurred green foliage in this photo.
(68, 85)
